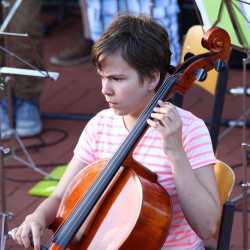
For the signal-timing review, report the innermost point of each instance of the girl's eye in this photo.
(117, 79)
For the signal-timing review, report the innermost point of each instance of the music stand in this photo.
(234, 17)
(231, 15)
(16, 71)
(4, 214)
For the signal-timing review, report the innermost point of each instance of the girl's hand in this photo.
(167, 121)
(29, 232)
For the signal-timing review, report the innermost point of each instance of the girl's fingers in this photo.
(162, 118)
(25, 236)
(153, 123)
(18, 233)
(36, 234)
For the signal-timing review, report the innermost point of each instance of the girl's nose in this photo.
(106, 87)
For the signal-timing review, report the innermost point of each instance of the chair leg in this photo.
(209, 248)
(226, 226)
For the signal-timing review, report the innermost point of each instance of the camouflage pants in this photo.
(26, 20)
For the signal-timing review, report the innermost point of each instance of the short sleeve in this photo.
(198, 146)
(86, 146)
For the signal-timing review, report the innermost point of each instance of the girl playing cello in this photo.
(132, 58)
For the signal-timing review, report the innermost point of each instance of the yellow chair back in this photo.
(225, 179)
(192, 44)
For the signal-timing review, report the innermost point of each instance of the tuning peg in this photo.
(201, 74)
(5, 151)
(2, 86)
(219, 65)
(2, 83)
(188, 55)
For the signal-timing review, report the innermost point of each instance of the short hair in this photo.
(143, 44)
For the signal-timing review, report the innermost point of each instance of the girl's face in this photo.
(122, 87)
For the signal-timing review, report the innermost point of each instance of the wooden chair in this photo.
(225, 179)
(215, 83)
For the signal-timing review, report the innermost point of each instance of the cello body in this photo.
(132, 211)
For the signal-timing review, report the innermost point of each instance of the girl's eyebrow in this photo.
(112, 75)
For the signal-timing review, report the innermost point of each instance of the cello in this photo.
(117, 203)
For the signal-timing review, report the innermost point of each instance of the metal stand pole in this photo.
(5, 215)
(242, 120)
(245, 185)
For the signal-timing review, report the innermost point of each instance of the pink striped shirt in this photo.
(103, 135)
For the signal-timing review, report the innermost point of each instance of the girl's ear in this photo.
(154, 80)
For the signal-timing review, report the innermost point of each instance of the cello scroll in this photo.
(218, 42)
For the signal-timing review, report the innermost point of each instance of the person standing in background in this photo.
(26, 90)
(97, 15)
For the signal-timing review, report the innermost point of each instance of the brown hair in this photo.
(143, 43)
